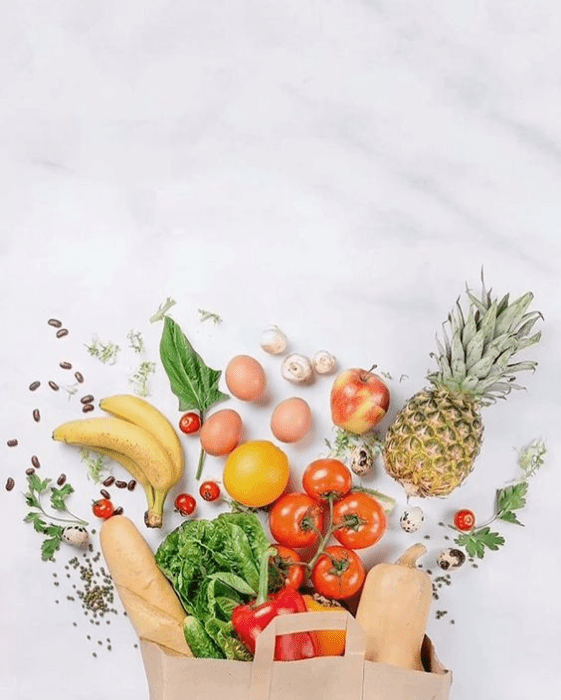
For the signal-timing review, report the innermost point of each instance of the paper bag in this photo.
(348, 677)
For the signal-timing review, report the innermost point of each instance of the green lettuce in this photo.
(213, 566)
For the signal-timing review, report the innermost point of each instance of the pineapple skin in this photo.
(432, 445)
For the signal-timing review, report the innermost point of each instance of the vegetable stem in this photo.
(264, 575)
(325, 538)
(202, 456)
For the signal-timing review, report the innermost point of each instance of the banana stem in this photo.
(154, 516)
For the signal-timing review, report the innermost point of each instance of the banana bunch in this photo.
(140, 438)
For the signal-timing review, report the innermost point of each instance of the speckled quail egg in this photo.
(450, 559)
(362, 460)
(412, 519)
(76, 535)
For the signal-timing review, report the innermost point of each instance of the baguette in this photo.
(147, 596)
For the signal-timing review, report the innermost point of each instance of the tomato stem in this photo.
(325, 538)
(202, 456)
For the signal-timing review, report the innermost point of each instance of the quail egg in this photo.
(412, 519)
(450, 559)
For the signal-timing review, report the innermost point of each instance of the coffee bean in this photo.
(54, 386)
(12, 443)
(10, 483)
(109, 481)
(105, 494)
(87, 399)
(65, 365)
(62, 332)
(30, 471)
(54, 322)
(61, 480)
(121, 484)
(79, 377)
(88, 407)
(34, 385)
(36, 415)
(35, 462)
(131, 485)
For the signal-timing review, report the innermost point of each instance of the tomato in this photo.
(190, 423)
(338, 573)
(185, 504)
(327, 478)
(256, 473)
(290, 566)
(464, 520)
(210, 491)
(296, 520)
(359, 520)
(103, 508)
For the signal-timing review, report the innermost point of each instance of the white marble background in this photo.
(341, 168)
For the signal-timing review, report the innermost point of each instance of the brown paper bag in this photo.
(348, 677)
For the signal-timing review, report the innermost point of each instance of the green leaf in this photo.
(192, 381)
(476, 542)
(35, 483)
(509, 517)
(235, 582)
(49, 547)
(31, 500)
(59, 496)
(511, 497)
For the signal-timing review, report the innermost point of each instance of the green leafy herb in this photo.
(192, 381)
(345, 442)
(510, 499)
(209, 316)
(105, 352)
(141, 376)
(531, 457)
(162, 310)
(136, 341)
(476, 542)
(97, 468)
(40, 519)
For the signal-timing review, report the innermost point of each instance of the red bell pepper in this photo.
(251, 619)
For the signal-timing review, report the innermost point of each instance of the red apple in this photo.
(359, 400)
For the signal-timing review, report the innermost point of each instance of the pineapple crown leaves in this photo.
(474, 355)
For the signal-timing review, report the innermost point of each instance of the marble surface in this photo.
(342, 169)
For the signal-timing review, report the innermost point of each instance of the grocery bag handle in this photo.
(353, 658)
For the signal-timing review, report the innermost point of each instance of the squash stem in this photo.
(410, 556)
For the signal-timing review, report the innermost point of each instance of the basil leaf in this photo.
(191, 380)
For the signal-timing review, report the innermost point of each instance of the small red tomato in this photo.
(185, 504)
(296, 520)
(210, 491)
(103, 508)
(290, 566)
(338, 573)
(464, 520)
(359, 519)
(325, 479)
(190, 423)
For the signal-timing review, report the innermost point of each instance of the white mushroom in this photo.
(324, 362)
(412, 519)
(297, 369)
(76, 535)
(273, 340)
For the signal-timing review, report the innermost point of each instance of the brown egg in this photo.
(221, 432)
(245, 378)
(291, 420)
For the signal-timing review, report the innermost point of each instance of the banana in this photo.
(133, 469)
(132, 441)
(142, 413)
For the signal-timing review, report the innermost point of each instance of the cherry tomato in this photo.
(185, 504)
(338, 573)
(103, 508)
(464, 520)
(290, 566)
(190, 423)
(296, 520)
(359, 519)
(327, 478)
(210, 491)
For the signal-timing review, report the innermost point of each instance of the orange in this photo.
(256, 473)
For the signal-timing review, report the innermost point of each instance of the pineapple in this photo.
(431, 446)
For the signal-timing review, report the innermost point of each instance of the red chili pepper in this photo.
(251, 619)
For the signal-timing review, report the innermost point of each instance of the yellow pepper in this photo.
(330, 642)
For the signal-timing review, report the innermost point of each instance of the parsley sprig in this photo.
(42, 520)
(508, 500)
(345, 442)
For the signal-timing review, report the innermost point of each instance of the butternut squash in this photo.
(393, 610)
